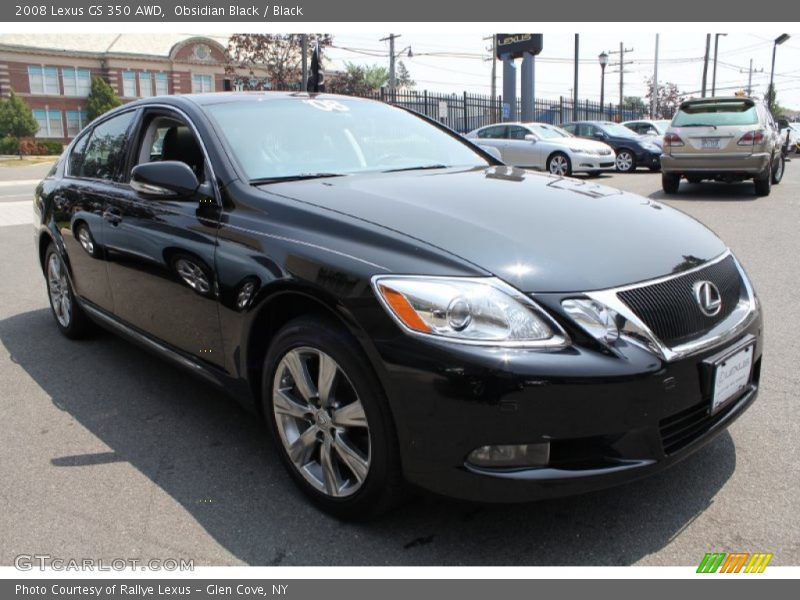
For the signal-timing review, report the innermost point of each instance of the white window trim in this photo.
(73, 72)
(82, 121)
(45, 91)
(203, 77)
(135, 83)
(47, 110)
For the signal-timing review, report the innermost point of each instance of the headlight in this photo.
(581, 150)
(468, 310)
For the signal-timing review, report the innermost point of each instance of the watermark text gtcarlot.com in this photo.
(29, 562)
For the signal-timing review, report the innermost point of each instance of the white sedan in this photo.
(545, 147)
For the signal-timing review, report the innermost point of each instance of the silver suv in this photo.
(722, 139)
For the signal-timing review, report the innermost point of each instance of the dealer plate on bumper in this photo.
(732, 374)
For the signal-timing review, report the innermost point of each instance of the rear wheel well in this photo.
(273, 315)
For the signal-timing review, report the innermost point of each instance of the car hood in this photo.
(540, 233)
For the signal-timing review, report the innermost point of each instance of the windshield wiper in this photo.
(298, 177)
(418, 168)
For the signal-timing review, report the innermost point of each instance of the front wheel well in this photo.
(274, 313)
(44, 242)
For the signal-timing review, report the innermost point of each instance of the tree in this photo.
(263, 61)
(101, 99)
(16, 119)
(402, 76)
(771, 100)
(359, 80)
(635, 103)
(668, 98)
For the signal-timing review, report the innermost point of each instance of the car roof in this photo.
(226, 97)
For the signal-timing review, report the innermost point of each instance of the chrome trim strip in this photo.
(724, 331)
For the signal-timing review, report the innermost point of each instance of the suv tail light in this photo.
(752, 138)
(672, 140)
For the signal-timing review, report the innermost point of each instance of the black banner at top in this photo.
(333, 11)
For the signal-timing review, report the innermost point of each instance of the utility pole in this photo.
(622, 62)
(654, 89)
(392, 37)
(575, 87)
(705, 65)
(304, 51)
(750, 72)
(714, 76)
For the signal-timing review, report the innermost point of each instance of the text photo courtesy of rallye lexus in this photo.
(403, 310)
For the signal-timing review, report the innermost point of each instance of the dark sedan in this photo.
(398, 306)
(632, 150)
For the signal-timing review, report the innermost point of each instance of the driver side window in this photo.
(167, 138)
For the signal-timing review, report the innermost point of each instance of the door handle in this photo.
(113, 216)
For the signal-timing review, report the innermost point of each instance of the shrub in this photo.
(9, 145)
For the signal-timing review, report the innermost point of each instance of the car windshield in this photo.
(295, 138)
(548, 132)
(615, 130)
(714, 114)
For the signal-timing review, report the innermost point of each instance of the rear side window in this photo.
(105, 148)
(76, 156)
(515, 132)
(717, 114)
(495, 132)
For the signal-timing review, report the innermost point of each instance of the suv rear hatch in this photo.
(717, 126)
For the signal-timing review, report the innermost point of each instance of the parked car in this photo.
(794, 137)
(654, 129)
(726, 139)
(632, 150)
(545, 147)
(397, 305)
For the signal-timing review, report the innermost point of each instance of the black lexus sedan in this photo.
(398, 306)
(632, 150)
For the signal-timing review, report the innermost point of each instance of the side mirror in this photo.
(492, 151)
(529, 137)
(164, 179)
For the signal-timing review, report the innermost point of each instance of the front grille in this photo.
(669, 308)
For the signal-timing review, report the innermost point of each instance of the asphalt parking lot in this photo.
(109, 452)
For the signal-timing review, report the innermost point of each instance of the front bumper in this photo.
(609, 419)
(582, 163)
(750, 164)
(651, 160)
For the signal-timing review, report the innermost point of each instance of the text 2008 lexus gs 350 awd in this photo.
(398, 306)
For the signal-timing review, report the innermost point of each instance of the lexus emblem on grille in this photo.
(708, 298)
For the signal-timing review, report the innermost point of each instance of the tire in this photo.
(559, 164)
(694, 179)
(778, 170)
(763, 183)
(346, 458)
(670, 182)
(68, 315)
(625, 161)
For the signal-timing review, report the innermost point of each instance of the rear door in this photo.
(494, 136)
(161, 251)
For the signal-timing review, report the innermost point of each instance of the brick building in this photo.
(53, 73)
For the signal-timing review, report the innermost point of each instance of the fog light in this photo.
(514, 455)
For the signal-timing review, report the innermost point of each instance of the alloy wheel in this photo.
(624, 161)
(58, 287)
(321, 422)
(559, 165)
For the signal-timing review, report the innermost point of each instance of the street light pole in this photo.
(603, 59)
(771, 93)
(705, 65)
(714, 75)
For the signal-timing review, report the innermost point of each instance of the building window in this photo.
(162, 84)
(76, 119)
(77, 82)
(202, 84)
(145, 84)
(43, 80)
(50, 123)
(129, 84)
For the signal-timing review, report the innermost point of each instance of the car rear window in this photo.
(717, 114)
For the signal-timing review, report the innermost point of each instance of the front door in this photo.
(161, 251)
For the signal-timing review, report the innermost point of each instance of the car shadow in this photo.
(710, 191)
(215, 460)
